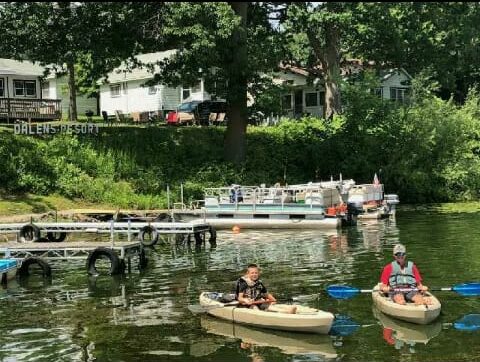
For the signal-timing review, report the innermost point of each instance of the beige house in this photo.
(307, 97)
(25, 93)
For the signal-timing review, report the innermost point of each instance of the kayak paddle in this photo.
(346, 292)
(198, 308)
(344, 325)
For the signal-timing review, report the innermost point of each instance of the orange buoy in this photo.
(236, 229)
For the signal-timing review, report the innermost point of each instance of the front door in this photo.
(298, 103)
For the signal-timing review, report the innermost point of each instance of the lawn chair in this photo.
(212, 118)
(108, 119)
(220, 118)
(120, 117)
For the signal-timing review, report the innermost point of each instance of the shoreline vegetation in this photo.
(427, 152)
(23, 208)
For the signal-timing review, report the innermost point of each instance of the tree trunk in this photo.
(236, 134)
(333, 103)
(72, 92)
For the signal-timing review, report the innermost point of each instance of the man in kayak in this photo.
(400, 274)
(251, 292)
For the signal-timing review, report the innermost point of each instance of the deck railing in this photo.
(12, 109)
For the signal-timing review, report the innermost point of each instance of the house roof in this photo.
(16, 67)
(123, 74)
(348, 68)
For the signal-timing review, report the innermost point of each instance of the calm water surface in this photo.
(145, 316)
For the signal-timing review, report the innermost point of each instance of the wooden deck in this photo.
(12, 109)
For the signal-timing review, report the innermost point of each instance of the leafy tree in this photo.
(316, 32)
(439, 38)
(227, 44)
(63, 33)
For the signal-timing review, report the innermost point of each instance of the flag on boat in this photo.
(376, 181)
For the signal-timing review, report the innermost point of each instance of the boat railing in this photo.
(179, 206)
(252, 195)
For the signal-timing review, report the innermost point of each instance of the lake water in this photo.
(144, 316)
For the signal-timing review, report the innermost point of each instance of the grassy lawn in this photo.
(447, 208)
(33, 204)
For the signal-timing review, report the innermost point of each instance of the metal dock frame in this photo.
(78, 250)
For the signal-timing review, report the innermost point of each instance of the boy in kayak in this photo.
(403, 275)
(251, 292)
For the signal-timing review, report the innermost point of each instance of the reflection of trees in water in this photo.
(377, 233)
(128, 307)
(367, 236)
(271, 247)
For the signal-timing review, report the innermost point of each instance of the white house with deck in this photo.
(124, 89)
(25, 93)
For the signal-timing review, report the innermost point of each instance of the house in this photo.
(308, 97)
(125, 91)
(25, 93)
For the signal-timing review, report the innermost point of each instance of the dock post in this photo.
(111, 232)
(129, 235)
(168, 198)
(181, 194)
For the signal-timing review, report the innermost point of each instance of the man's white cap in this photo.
(399, 248)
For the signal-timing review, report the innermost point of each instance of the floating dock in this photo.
(29, 247)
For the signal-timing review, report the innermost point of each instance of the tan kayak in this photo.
(308, 320)
(287, 342)
(418, 314)
(408, 332)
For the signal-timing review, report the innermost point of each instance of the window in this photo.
(125, 87)
(287, 102)
(185, 93)
(152, 90)
(115, 90)
(2, 87)
(46, 90)
(311, 99)
(24, 88)
(322, 98)
(188, 107)
(377, 92)
(399, 94)
(197, 88)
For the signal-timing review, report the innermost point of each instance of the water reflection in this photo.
(144, 315)
(251, 339)
(403, 335)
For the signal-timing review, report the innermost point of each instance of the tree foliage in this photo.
(441, 37)
(229, 45)
(61, 34)
(316, 33)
